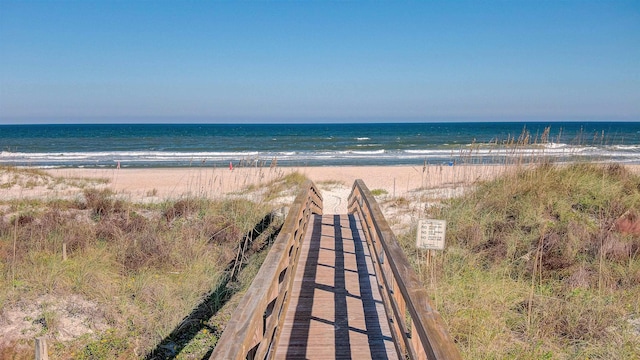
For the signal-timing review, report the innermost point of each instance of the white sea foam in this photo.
(626, 147)
(356, 152)
(555, 145)
(621, 153)
(373, 152)
(430, 152)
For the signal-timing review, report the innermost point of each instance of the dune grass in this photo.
(29, 178)
(283, 185)
(538, 266)
(144, 266)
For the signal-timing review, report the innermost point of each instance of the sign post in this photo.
(430, 236)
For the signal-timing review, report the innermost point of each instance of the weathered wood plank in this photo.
(336, 309)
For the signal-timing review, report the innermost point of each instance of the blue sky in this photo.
(194, 61)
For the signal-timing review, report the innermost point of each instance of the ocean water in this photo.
(185, 145)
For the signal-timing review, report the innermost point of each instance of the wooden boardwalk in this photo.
(336, 310)
(323, 289)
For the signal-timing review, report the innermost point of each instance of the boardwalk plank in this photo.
(335, 310)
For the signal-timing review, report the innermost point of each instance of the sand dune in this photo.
(173, 182)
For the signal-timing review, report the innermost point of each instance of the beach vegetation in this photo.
(137, 278)
(379, 192)
(153, 192)
(399, 202)
(283, 186)
(543, 262)
(328, 184)
(26, 178)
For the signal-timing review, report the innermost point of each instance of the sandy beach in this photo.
(335, 181)
(156, 184)
(171, 182)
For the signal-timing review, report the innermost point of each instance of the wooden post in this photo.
(419, 262)
(64, 251)
(417, 345)
(41, 348)
(432, 267)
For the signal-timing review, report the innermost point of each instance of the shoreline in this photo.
(335, 182)
(398, 179)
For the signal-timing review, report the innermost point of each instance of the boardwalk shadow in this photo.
(301, 337)
(262, 234)
(303, 310)
(374, 332)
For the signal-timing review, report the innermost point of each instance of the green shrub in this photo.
(379, 192)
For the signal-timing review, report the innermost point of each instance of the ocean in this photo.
(191, 145)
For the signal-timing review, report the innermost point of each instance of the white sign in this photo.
(431, 234)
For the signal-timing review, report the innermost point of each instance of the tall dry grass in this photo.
(539, 266)
(145, 265)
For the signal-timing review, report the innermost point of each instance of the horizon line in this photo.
(264, 121)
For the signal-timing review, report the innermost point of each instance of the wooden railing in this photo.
(256, 323)
(418, 330)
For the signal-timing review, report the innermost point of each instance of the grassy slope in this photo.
(146, 266)
(535, 268)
